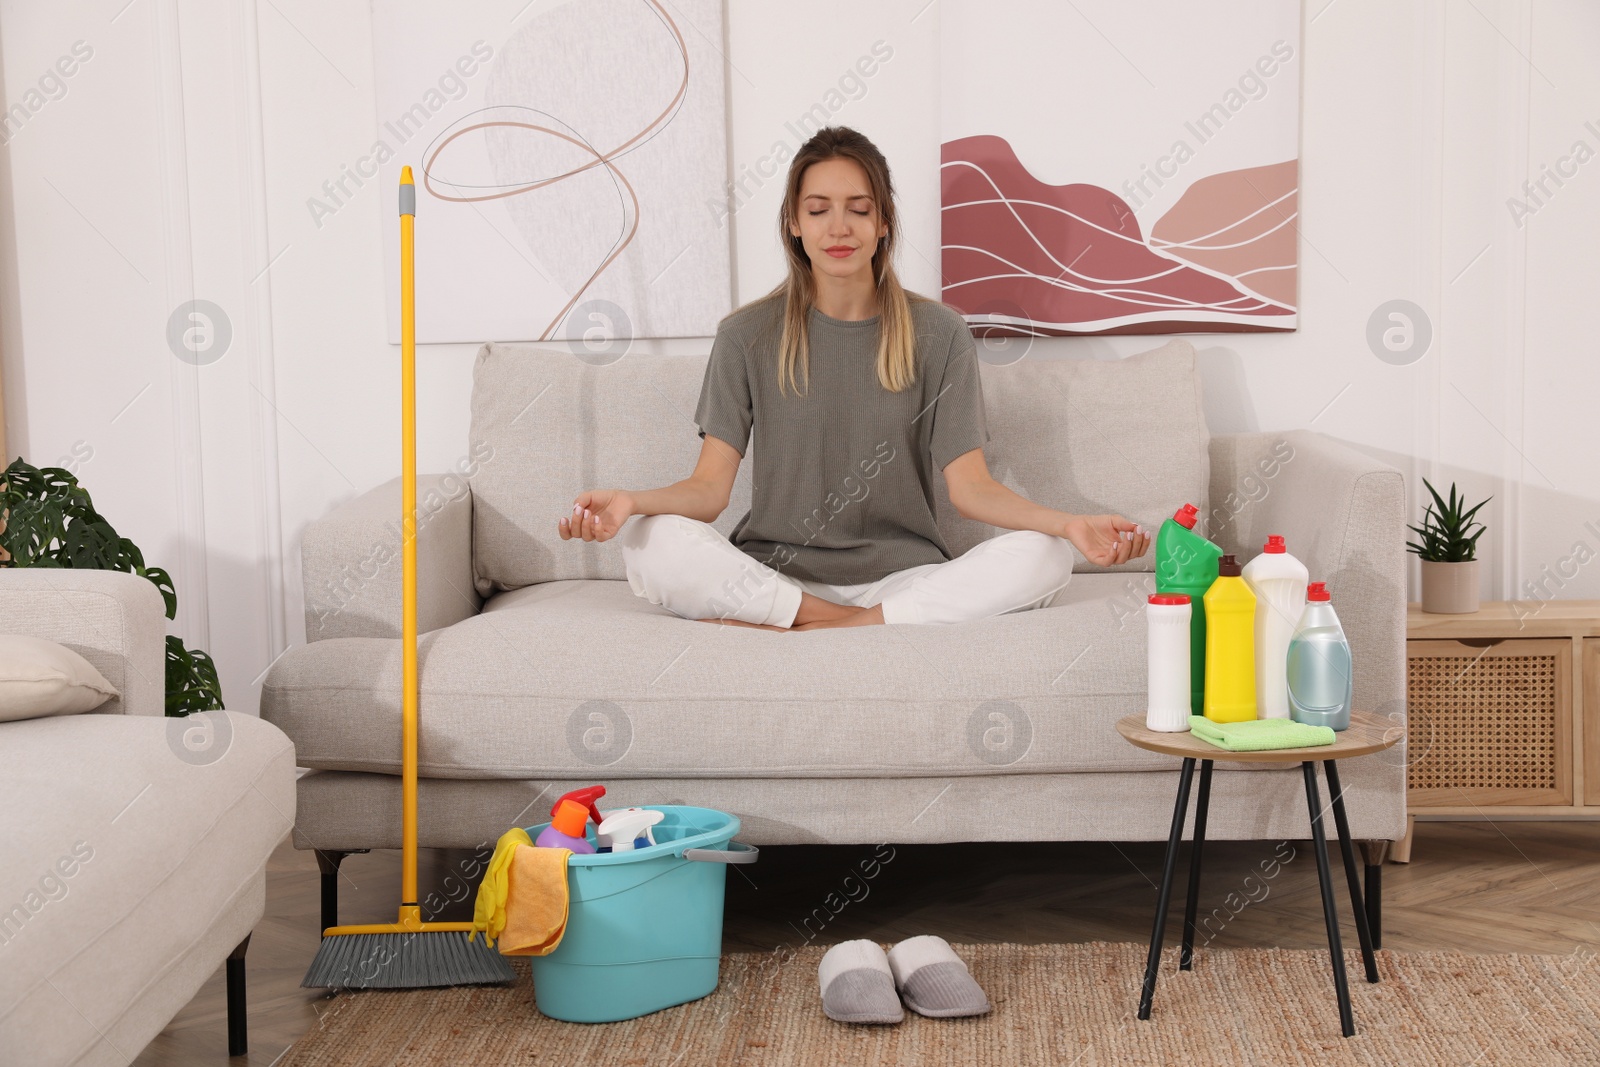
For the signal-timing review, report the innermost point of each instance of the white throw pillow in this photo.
(39, 677)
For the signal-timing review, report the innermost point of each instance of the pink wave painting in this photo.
(1025, 258)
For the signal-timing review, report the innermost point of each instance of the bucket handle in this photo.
(737, 852)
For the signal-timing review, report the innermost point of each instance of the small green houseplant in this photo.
(1448, 549)
(48, 520)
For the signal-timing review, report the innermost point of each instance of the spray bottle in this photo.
(568, 819)
(624, 829)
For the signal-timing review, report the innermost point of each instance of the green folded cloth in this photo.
(1256, 735)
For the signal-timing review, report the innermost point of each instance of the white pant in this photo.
(689, 568)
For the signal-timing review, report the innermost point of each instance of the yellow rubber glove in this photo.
(489, 913)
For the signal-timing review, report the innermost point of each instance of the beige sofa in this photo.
(542, 671)
(133, 847)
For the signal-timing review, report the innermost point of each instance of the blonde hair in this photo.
(896, 362)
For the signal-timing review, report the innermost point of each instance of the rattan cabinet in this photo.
(1503, 711)
(1590, 697)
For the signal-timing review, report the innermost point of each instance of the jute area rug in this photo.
(1053, 1004)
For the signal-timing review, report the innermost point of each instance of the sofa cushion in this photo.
(39, 677)
(585, 679)
(1084, 436)
(130, 841)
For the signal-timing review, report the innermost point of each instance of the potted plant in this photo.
(48, 520)
(1449, 553)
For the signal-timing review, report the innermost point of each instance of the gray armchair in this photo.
(133, 847)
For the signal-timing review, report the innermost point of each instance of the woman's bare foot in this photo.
(752, 625)
(814, 609)
(872, 616)
(816, 614)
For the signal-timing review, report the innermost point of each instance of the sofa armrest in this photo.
(1342, 514)
(115, 620)
(351, 569)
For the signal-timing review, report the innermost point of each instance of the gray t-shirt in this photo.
(842, 485)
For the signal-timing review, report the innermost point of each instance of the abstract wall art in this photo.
(570, 161)
(1120, 168)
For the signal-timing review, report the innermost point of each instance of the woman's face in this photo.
(838, 222)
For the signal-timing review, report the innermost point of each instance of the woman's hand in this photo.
(597, 515)
(1107, 540)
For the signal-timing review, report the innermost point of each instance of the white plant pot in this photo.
(1450, 588)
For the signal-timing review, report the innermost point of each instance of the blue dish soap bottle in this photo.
(1320, 679)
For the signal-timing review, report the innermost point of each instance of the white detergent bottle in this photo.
(1279, 582)
(1169, 695)
(1321, 676)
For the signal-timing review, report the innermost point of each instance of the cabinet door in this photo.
(1591, 720)
(1489, 721)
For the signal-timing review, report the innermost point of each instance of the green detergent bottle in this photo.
(1187, 563)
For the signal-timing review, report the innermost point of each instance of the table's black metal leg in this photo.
(1179, 811)
(1374, 899)
(1319, 845)
(1376, 853)
(1358, 905)
(1186, 957)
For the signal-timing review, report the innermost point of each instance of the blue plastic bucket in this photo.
(644, 928)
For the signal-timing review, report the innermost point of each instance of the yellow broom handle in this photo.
(408, 505)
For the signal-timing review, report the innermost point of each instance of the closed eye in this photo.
(852, 211)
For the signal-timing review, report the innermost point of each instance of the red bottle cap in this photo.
(569, 818)
(1274, 544)
(1228, 567)
(1186, 515)
(1318, 591)
(1169, 598)
(586, 797)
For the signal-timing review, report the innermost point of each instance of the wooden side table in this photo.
(1367, 734)
(1503, 706)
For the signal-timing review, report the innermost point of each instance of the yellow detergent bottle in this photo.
(1230, 645)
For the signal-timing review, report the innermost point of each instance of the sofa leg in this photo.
(1401, 853)
(1374, 852)
(328, 867)
(238, 1021)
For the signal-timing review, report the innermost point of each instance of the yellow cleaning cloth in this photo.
(489, 914)
(536, 904)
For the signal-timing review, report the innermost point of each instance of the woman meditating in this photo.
(856, 392)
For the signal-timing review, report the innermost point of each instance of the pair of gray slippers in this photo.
(863, 984)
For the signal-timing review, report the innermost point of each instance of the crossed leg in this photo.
(677, 562)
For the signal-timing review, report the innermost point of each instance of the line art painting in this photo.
(569, 189)
(1161, 194)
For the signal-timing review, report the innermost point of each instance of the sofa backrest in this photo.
(1119, 436)
(558, 426)
(1083, 436)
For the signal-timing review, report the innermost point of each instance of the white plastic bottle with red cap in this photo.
(1168, 693)
(1279, 582)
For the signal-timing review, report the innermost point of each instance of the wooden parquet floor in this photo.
(1529, 887)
